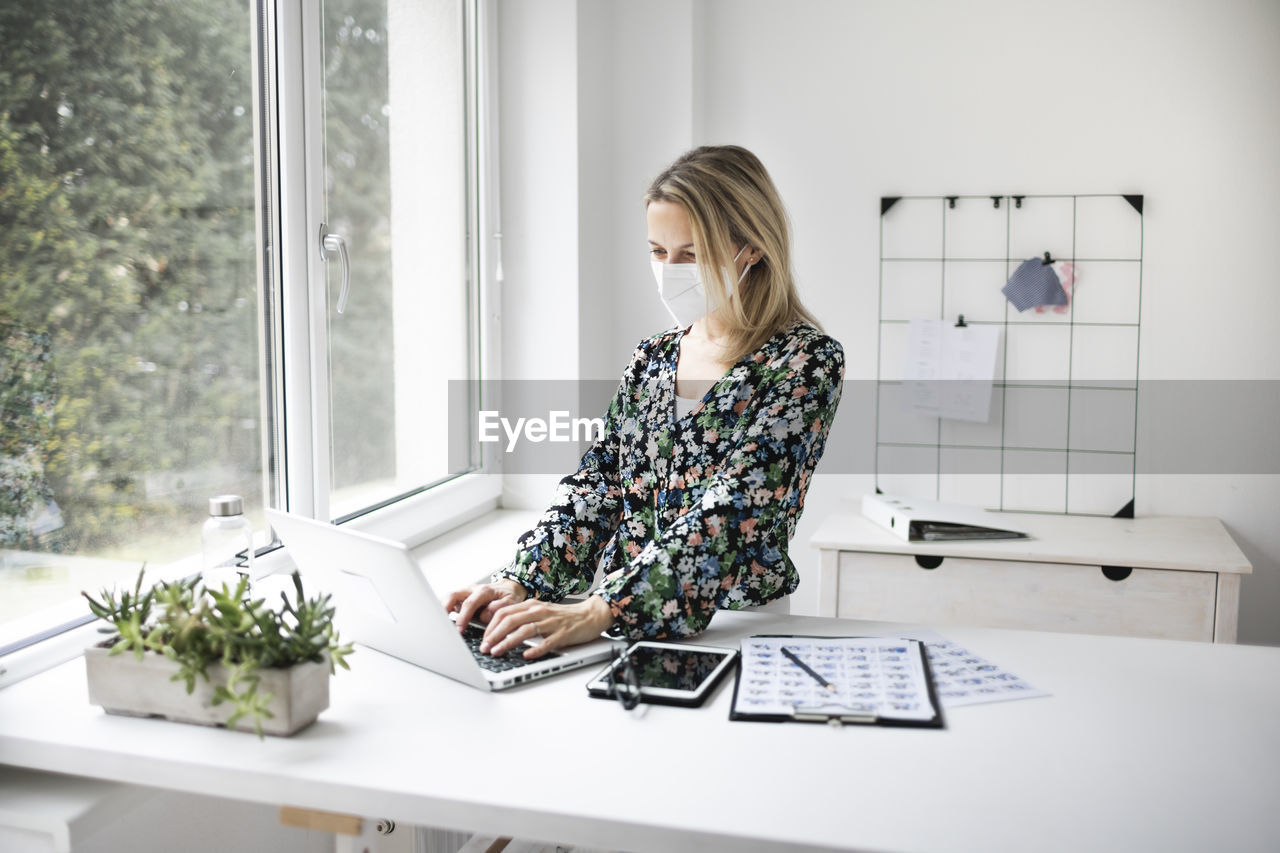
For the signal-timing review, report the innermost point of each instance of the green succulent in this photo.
(196, 626)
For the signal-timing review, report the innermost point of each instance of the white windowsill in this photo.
(450, 560)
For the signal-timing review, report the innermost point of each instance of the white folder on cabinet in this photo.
(931, 521)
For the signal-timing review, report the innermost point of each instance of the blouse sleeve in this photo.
(675, 584)
(558, 557)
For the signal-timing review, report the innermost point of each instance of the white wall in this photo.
(538, 73)
(849, 101)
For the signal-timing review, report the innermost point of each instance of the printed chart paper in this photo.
(961, 677)
(876, 677)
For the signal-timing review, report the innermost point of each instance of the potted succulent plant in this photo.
(244, 665)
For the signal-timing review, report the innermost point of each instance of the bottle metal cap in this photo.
(224, 505)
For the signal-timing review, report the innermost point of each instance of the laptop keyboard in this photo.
(502, 663)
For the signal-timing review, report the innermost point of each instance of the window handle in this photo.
(331, 244)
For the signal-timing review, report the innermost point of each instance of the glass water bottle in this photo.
(227, 540)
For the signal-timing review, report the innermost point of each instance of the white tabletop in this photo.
(1144, 745)
(1156, 542)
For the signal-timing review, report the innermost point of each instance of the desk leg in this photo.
(828, 581)
(1226, 613)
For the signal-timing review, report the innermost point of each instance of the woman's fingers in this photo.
(483, 600)
(482, 596)
(511, 626)
(558, 625)
(523, 634)
(455, 598)
(466, 606)
(491, 609)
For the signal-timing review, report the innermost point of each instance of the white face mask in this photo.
(681, 291)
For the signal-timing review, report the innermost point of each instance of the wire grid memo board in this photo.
(1062, 430)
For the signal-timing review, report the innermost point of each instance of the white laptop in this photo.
(383, 601)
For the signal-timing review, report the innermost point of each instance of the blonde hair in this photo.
(731, 202)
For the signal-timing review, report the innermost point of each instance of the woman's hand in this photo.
(559, 625)
(483, 600)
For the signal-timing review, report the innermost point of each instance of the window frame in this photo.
(294, 396)
(432, 508)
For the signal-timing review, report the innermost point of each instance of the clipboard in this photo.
(882, 681)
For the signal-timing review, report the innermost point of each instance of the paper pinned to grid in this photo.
(949, 369)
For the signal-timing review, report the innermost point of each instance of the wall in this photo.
(538, 162)
(846, 102)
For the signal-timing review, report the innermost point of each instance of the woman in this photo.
(689, 501)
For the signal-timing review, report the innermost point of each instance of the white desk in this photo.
(1144, 745)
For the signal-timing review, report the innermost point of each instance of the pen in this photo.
(805, 667)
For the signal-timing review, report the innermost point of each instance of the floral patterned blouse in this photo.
(686, 516)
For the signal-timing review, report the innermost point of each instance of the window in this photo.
(395, 173)
(169, 316)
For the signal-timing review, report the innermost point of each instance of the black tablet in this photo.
(666, 673)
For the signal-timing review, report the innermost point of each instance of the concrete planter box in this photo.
(122, 684)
